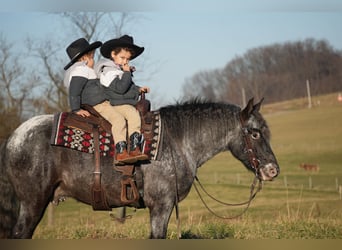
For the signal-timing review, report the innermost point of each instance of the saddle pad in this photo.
(78, 139)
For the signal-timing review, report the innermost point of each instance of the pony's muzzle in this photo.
(269, 171)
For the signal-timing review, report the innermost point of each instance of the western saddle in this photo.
(95, 123)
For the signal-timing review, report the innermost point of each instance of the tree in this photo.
(277, 72)
(206, 84)
(16, 90)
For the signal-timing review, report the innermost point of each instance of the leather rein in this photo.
(254, 161)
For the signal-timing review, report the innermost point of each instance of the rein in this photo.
(251, 197)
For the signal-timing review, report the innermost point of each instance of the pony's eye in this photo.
(255, 135)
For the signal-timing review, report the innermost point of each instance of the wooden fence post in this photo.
(238, 180)
(310, 182)
(285, 181)
(50, 215)
(336, 182)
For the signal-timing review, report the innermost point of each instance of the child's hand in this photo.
(144, 89)
(83, 113)
(126, 67)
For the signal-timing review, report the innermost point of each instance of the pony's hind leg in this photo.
(33, 202)
(33, 198)
(30, 215)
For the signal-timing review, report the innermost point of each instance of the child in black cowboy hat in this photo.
(80, 78)
(115, 74)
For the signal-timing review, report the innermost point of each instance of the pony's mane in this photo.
(198, 103)
(198, 115)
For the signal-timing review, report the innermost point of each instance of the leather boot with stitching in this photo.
(121, 154)
(135, 147)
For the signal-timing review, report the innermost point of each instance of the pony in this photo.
(33, 173)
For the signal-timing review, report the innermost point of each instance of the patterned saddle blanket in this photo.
(73, 136)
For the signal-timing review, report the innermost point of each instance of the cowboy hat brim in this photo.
(109, 46)
(91, 47)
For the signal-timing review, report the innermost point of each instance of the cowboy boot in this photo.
(136, 140)
(121, 156)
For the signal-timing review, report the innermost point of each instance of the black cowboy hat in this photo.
(78, 48)
(124, 41)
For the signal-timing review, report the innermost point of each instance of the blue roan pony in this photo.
(31, 170)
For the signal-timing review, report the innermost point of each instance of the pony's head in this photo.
(252, 147)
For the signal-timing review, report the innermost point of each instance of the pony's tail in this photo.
(9, 204)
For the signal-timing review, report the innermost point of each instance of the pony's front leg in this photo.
(159, 196)
(159, 219)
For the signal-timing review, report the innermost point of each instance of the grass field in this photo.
(297, 205)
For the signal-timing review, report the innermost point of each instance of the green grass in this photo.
(297, 205)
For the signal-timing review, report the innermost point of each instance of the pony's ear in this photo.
(246, 112)
(257, 106)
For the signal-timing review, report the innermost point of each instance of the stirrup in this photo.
(125, 184)
(127, 181)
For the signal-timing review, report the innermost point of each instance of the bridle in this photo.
(253, 160)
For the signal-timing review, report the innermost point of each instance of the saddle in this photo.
(95, 124)
(95, 120)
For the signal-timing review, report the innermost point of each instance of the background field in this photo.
(297, 205)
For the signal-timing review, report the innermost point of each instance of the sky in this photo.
(182, 38)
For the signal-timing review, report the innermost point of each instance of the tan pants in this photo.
(124, 118)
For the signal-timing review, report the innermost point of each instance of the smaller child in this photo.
(115, 74)
(80, 78)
